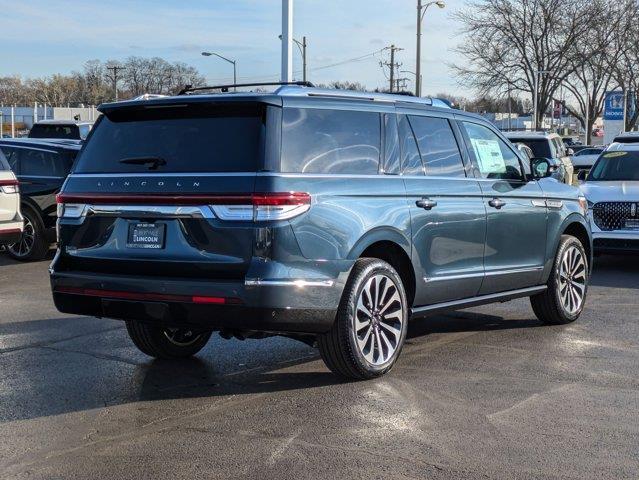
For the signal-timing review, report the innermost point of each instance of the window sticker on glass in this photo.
(489, 155)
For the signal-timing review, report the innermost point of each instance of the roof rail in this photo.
(225, 88)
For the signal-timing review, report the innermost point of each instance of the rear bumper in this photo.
(281, 306)
(10, 232)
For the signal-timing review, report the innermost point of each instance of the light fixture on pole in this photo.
(302, 47)
(421, 11)
(233, 62)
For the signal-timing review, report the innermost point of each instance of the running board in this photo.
(417, 312)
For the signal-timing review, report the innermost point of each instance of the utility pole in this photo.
(304, 58)
(287, 41)
(115, 69)
(392, 65)
(421, 10)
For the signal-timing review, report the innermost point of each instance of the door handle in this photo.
(426, 203)
(496, 203)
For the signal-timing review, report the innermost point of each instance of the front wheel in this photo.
(166, 342)
(369, 330)
(565, 297)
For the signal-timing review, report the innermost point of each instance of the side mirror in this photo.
(540, 168)
(582, 175)
(570, 152)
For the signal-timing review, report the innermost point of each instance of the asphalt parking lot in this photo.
(481, 393)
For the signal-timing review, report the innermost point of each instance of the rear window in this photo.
(54, 131)
(41, 163)
(181, 138)
(540, 148)
(330, 141)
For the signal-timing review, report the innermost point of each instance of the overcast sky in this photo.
(41, 37)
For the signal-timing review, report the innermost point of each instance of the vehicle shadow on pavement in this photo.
(616, 271)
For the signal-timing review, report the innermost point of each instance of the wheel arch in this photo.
(394, 249)
(576, 226)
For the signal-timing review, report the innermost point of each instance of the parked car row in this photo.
(41, 166)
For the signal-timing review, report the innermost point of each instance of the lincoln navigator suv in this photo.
(326, 216)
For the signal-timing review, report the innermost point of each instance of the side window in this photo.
(391, 145)
(41, 163)
(330, 141)
(438, 147)
(491, 154)
(411, 161)
(4, 164)
(11, 156)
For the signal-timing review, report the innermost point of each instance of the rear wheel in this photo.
(369, 330)
(33, 244)
(565, 297)
(166, 342)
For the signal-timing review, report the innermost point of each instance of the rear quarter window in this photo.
(330, 141)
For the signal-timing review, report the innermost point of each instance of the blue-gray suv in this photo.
(327, 216)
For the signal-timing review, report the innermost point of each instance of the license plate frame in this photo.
(146, 235)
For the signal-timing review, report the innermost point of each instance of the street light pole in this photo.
(302, 48)
(287, 41)
(421, 10)
(232, 62)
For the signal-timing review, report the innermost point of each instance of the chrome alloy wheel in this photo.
(379, 318)
(23, 247)
(181, 337)
(572, 280)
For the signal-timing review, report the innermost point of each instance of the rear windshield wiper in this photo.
(155, 162)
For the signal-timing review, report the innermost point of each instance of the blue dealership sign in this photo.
(614, 104)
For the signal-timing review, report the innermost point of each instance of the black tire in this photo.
(33, 244)
(156, 341)
(549, 307)
(340, 348)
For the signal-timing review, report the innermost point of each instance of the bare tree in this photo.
(626, 69)
(508, 42)
(594, 60)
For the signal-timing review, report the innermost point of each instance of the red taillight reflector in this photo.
(280, 199)
(9, 183)
(143, 296)
(9, 231)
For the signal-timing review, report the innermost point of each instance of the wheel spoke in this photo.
(378, 321)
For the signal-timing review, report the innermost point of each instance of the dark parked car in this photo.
(66, 129)
(327, 216)
(41, 167)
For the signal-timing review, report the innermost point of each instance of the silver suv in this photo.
(11, 222)
(612, 192)
(551, 147)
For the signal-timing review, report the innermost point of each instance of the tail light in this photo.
(9, 186)
(263, 207)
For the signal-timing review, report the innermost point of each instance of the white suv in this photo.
(11, 222)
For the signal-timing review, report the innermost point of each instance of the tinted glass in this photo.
(540, 147)
(491, 154)
(200, 138)
(391, 145)
(438, 147)
(4, 164)
(330, 141)
(615, 166)
(11, 156)
(628, 139)
(54, 131)
(411, 161)
(42, 163)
